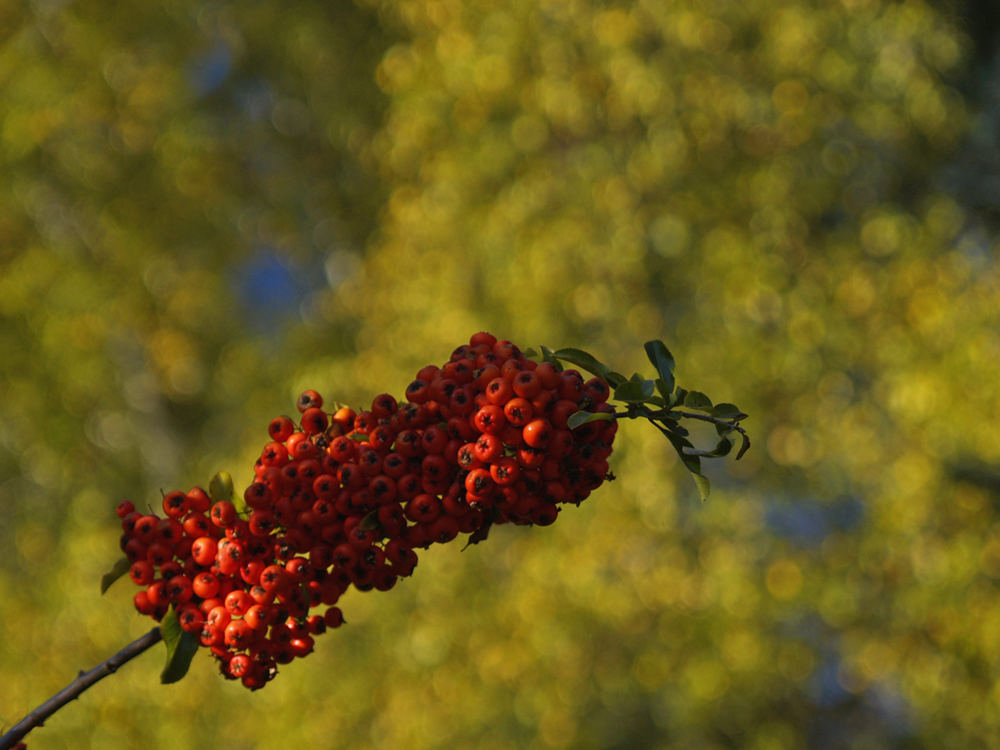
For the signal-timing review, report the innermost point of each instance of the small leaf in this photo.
(664, 390)
(479, 534)
(663, 361)
(221, 487)
(615, 379)
(728, 411)
(722, 449)
(529, 353)
(181, 648)
(704, 486)
(678, 397)
(698, 401)
(578, 418)
(370, 521)
(549, 356)
(675, 427)
(358, 437)
(646, 387)
(120, 568)
(630, 392)
(587, 361)
(743, 448)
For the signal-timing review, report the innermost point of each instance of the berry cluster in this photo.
(345, 498)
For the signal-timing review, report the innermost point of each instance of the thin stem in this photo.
(72, 691)
(642, 411)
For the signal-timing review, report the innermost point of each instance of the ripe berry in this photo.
(489, 418)
(280, 428)
(142, 572)
(314, 421)
(308, 400)
(537, 433)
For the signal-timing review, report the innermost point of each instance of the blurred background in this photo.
(206, 207)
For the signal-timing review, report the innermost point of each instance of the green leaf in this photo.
(549, 356)
(698, 401)
(578, 418)
(728, 411)
(529, 353)
(722, 449)
(370, 521)
(674, 426)
(691, 462)
(663, 361)
(587, 361)
(744, 447)
(181, 648)
(704, 486)
(120, 568)
(221, 487)
(678, 396)
(615, 379)
(664, 390)
(479, 535)
(630, 392)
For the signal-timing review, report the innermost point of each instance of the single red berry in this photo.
(198, 500)
(223, 513)
(280, 428)
(489, 418)
(499, 391)
(344, 416)
(258, 495)
(274, 454)
(180, 589)
(196, 524)
(238, 602)
(505, 471)
(479, 482)
(237, 634)
(547, 374)
(190, 618)
(518, 411)
(537, 433)
(203, 550)
(124, 508)
(526, 384)
(423, 508)
(314, 421)
(308, 400)
(205, 585)
(488, 448)
(384, 405)
(142, 572)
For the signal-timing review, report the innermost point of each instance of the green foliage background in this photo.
(206, 207)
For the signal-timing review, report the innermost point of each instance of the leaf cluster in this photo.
(663, 404)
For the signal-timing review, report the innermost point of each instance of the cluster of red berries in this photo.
(345, 498)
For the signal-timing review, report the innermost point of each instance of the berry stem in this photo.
(72, 691)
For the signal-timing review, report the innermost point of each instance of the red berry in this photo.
(537, 433)
(489, 418)
(308, 400)
(314, 421)
(280, 428)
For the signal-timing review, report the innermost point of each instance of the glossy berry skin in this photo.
(537, 433)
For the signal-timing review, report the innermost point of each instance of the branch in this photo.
(72, 691)
(641, 411)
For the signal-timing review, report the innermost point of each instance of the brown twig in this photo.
(72, 691)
